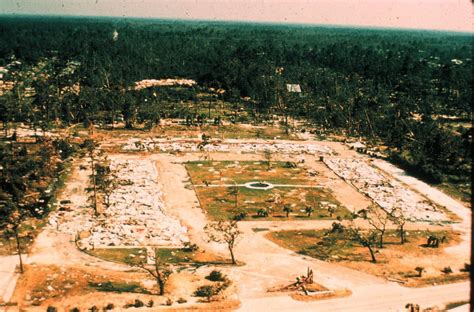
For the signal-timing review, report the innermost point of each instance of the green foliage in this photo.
(216, 276)
(206, 291)
(390, 86)
(119, 287)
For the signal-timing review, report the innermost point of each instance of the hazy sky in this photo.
(422, 14)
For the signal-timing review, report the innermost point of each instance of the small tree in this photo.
(91, 149)
(378, 219)
(420, 270)
(234, 191)
(309, 210)
(160, 271)
(397, 216)
(224, 232)
(11, 218)
(268, 154)
(287, 209)
(366, 238)
(106, 179)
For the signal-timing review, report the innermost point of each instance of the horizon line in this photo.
(279, 23)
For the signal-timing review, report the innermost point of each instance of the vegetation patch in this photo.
(130, 256)
(119, 287)
(238, 202)
(394, 261)
(183, 256)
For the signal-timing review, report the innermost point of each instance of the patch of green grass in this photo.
(130, 256)
(256, 230)
(174, 255)
(119, 287)
(230, 172)
(456, 304)
(220, 203)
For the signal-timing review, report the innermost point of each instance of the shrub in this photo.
(206, 291)
(216, 276)
(51, 309)
(181, 300)
(447, 270)
(188, 247)
(110, 306)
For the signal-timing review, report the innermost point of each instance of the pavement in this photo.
(8, 276)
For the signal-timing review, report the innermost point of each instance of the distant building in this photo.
(294, 88)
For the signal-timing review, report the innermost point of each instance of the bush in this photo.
(110, 306)
(51, 309)
(467, 267)
(181, 300)
(447, 270)
(216, 276)
(206, 291)
(188, 247)
(240, 216)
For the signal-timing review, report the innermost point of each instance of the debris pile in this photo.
(135, 144)
(387, 192)
(147, 83)
(136, 216)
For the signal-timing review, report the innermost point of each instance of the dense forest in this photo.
(404, 89)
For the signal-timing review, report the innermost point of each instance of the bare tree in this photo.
(268, 154)
(159, 270)
(10, 221)
(397, 216)
(234, 191)
(107, 179)
(224, 232)
(366, 238)
(378, 219)
(92, 152)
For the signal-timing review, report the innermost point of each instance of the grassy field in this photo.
(130, 256)
(393, 261)
(224, 202)
(216, 132)
(230, 172)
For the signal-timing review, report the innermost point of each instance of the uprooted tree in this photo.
(224, 232)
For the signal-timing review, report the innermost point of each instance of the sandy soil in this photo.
(266, 264)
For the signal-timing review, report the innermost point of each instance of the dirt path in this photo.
(368, 298)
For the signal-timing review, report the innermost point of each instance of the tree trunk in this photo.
(161, 285)
(372, 255)
(402, 235)
(232, 255)
(94, 184)
(381, 239)
(18, 248)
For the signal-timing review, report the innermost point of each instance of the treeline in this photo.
(385, 85)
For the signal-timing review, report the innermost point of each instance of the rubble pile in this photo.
(136, 216)
(147, 83)
(387, 192)
(134, 144)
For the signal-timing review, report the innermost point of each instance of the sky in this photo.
(454, 15)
